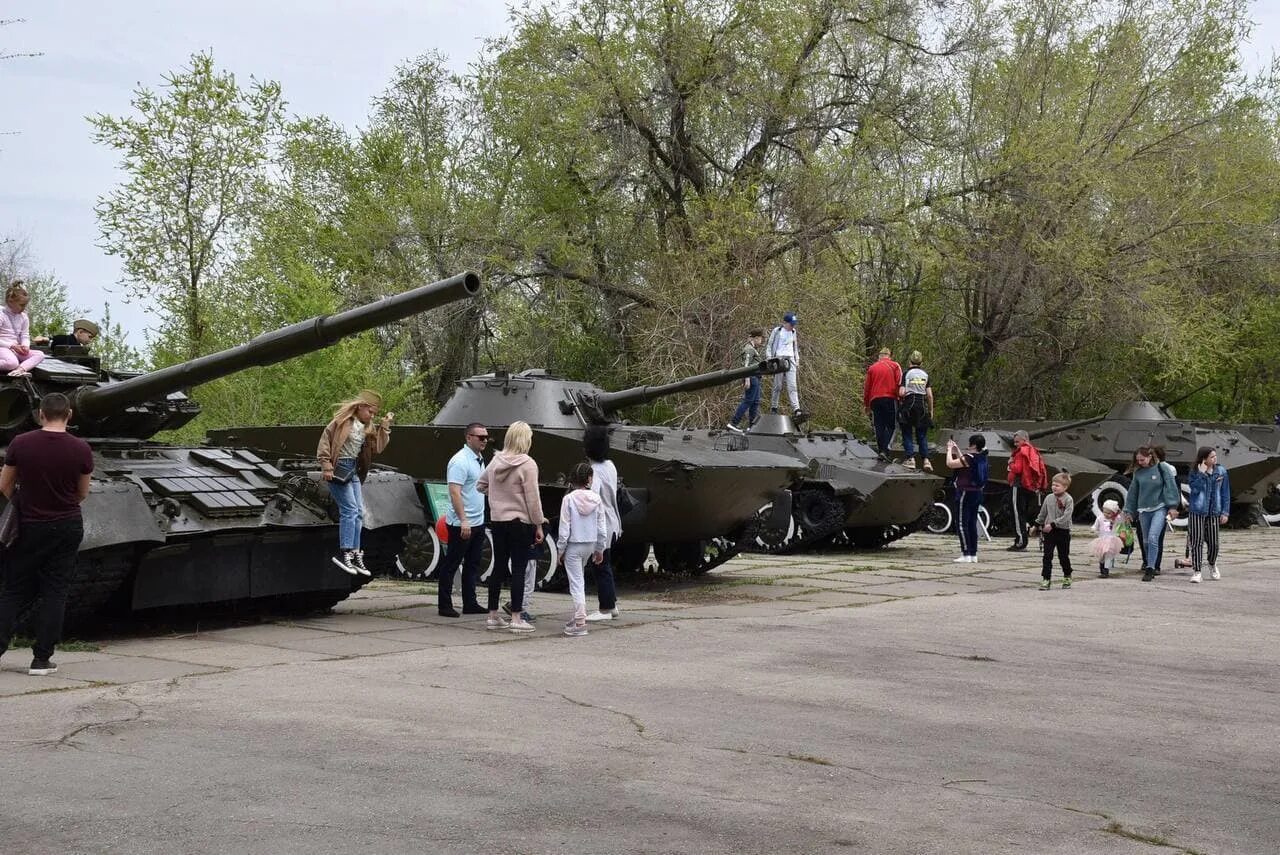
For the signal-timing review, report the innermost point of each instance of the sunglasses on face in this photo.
(483, 436)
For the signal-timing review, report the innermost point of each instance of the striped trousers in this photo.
(1202, 529)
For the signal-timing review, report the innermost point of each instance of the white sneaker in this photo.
(1213, 572)
(1195, 577)
(964, 559)
(520, 626)
(357, 561)
(733, 428)
(345, 561)
(909, 463)
(596, 617)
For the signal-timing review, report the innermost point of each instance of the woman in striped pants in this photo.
(1210, 503)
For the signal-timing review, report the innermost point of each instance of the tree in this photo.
(196, 155)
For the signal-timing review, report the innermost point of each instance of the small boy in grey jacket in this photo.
(1054, 520)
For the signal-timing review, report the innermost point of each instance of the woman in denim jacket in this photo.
(1210, 503)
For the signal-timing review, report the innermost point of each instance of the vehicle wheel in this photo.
(1181, 521)
(550, 575)
(1117, 487)
(420, 553)
(938, 519)
(772, 539)
(1271, 509)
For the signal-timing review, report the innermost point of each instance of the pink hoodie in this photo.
(582, 520)
(511, 482)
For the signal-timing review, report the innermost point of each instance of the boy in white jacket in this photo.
(583, 533)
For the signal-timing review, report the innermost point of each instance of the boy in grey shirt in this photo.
(1054, 520)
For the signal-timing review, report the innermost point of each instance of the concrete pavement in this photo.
(888, 702)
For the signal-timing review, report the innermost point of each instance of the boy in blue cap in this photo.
(784, 343)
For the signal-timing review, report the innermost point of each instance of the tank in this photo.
(849, 494)
(174, 526)
(1086, 476)
(696, 492)
(1111, 438)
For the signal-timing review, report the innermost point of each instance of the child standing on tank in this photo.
(583, 534)
(750, 405)
(1054, 521)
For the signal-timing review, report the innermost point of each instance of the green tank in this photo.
(168, 525)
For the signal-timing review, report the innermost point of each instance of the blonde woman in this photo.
(346, 451)
(16, 356)
(515, 518)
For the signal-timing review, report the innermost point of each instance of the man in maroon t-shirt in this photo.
(51, 469)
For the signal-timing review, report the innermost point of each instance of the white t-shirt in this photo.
(783, 343)
(916, 381)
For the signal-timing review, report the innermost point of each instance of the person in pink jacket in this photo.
(515, 518)
(16, 356)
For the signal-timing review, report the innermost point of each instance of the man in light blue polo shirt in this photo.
(465, 519)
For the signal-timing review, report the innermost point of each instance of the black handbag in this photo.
(626, 504)
(9, 522)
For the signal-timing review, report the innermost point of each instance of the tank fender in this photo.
(390, 498)
(780, 516)
(115, 512)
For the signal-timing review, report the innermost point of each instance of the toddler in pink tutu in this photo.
(1106, 546)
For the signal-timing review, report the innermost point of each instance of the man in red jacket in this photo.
(1027, 482)
(880, 397)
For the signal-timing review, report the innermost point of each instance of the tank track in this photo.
(817, 516)
(95, 592)
(877, 537)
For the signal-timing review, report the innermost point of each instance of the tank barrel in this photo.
(603, 403)
(272, 347)
(1037, 434)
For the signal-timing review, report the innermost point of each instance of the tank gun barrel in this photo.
(598, 406)
(272, 347)
(1033, 435)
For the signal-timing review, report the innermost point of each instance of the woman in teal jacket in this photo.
(1210, 502)
(1152, 500)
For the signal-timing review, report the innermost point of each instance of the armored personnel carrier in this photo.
(696, 492)
(848, 494)
(168, 525)
(1111, 439)
(1086, 476)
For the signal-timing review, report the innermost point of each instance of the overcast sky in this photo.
(331, 57)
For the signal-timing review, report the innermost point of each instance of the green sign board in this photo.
(438, 496)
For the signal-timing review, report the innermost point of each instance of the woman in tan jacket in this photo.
(346, 451)
(515, 518)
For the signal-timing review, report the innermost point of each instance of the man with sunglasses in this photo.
(465, 520)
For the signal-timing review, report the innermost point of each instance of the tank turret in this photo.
(138, 406)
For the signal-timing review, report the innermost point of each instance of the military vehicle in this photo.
(1111, 439)
(696, 492)
(168, 525)
(1086, 476)
(849, 494)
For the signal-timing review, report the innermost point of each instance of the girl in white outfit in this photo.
(583, 534)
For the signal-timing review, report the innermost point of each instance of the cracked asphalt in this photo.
(887, 702)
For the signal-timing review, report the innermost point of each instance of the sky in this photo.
(331, 57)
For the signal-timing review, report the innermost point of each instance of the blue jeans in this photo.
(967, 504)
(921, 439)
(350, 503)
(605, 590)
(884, 418)
(1152, 525)
(750, 403)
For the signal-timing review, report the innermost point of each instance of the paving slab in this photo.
(227, 654)
(129, 669)
(918, 588)
(352, 645)
(268, 633)
(352, 623)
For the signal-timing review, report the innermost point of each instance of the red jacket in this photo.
(884, 378)
(1026, 469)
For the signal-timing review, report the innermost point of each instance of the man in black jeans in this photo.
(51, 468)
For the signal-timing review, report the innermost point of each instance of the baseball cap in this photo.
(789, 318)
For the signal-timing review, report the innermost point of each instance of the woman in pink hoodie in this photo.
(583, 532)
(515, 518)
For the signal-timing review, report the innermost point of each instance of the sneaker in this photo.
(496, 623)
(1213, 572)
(1044, 585)
(574, 631)
(928, 466)
(528, 618)
(450, 612)
(1017, 547)
(731, 426)
(1066, 581)
(1147, 574)
(42, 668)
(1195, 578)
(520, 626)
(357, 561)
(1104, 573)
(963, 559)
(1182, 563)
(345, 561)
(596, 617)
(909, 463)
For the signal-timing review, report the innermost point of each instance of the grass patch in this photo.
(70, 646)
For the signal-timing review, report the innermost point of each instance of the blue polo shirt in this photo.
(465, 469)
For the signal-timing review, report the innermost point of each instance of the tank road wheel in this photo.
(629, 558)
(773, 539)
(550, 574)
(938, 519)
(420, 553)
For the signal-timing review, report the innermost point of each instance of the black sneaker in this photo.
(528, 618)
(1017, 547)
(449, 612)
(1147, 574)
(42, 668)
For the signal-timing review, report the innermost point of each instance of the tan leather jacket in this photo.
(376, 437)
